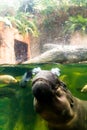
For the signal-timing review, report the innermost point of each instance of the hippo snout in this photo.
(44, 85)
(42, 91)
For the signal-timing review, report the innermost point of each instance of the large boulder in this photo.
(65, 54)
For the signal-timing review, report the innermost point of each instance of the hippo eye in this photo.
(63, 85)
(56, 87)
(59, 92)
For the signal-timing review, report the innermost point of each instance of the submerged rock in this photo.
(7, 79)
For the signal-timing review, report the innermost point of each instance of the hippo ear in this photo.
(56, 71)
(36, 70)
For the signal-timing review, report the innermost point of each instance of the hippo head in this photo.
(52, 100)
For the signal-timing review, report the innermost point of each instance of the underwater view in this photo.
(16, 102)
(43, 65)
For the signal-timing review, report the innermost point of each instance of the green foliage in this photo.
(49, 12)
(76, 23)
(27, 6)
(79, 2)
(53, 12)
(23, 24)
(45, 3)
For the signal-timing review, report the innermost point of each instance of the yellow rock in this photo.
(84, 89)
(7, 79)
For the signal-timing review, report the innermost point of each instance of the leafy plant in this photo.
(24, 24)
(76, 23)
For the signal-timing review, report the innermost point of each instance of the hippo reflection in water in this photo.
(55, 103)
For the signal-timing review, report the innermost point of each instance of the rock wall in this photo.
(7, 46)
(14, 48)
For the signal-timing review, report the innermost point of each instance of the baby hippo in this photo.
(56, 104)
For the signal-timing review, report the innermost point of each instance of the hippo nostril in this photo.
(41, 91)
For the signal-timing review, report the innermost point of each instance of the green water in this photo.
(16, 109)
